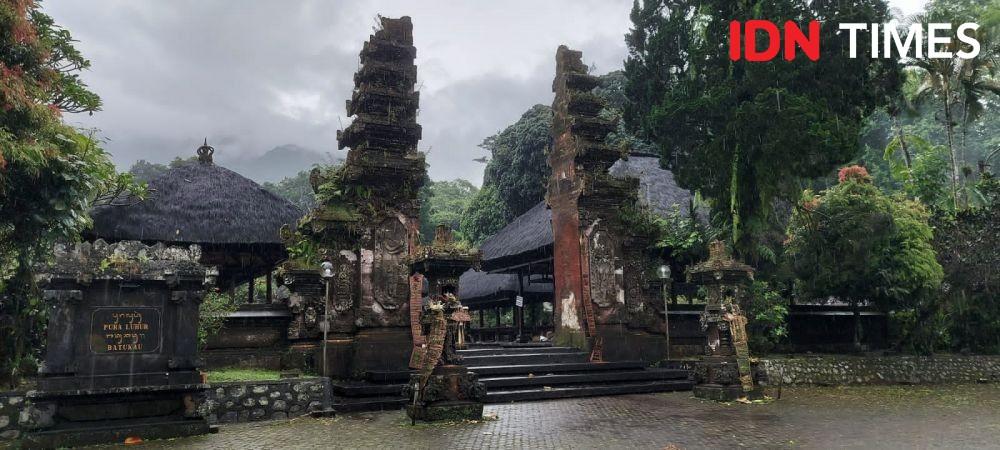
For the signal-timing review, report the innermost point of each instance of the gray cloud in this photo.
(252, 75)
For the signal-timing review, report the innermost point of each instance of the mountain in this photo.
(280, 162)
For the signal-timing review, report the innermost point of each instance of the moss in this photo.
(234, 374)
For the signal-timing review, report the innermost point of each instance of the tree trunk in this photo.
(857, 325)
(907, 159)
(951, 142)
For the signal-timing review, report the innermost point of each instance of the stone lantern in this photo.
(723, 373)
(443, 388)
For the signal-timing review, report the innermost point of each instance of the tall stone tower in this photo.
(591, 248)
(367, 220)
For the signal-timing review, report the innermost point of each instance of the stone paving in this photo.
(953, 416)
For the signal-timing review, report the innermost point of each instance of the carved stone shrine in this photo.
(443, 388)
(367, 218)
(723, 373)
(121, 357)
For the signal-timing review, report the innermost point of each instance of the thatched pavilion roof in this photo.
(479, 289)
(199, 203)
(233, 219)
(528, 237)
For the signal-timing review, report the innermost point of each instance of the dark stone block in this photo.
(718, 392)
(446, 411)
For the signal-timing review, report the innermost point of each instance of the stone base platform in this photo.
(460, 410)
(718, 392)
(93, 434)
(451, 393)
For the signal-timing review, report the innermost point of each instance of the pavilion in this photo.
(234, 220)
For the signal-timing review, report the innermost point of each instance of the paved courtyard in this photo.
(957, 416)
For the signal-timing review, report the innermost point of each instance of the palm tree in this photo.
(960, 84)
(939, 79)
(978, 82)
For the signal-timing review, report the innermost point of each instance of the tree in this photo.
(486, 214)
(861, 246)
(445, 202)
(50, 173)
(295, 189)
(518, 173)
(146, 171)
(745, 134)
(960, 85)
(968, 248)
(518, 170)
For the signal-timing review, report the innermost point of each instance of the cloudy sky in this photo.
(253, 75)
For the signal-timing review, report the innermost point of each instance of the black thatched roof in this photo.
(657, 187)
(529, 236)
(200, 203)
(530, 232)
(476, 288)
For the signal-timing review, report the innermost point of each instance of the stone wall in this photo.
(11, 404)
(249, 401)
(841, 370)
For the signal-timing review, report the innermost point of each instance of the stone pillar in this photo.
(369, 226)
(588, 259)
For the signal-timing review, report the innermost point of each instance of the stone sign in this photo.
(122, 342)
(125, 330)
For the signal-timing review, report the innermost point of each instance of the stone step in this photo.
(516, 350)
(526, 358)
(542, 369)
(509, 345)
(381, 403)
(387, 376)
(585, 390)
(613, 376)
(365, 389)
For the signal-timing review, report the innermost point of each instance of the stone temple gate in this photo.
(366, 225)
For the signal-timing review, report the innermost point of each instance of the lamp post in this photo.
(664, 273)
(326, 272)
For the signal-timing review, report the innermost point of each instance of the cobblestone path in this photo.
(960, 416)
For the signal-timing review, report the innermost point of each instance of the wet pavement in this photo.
(954, 416)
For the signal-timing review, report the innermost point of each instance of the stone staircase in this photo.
(520, 372)
(379, 391)
(539, 371)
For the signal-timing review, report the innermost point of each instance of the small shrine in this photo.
(723, 373)
(442, 388)
(121, 356)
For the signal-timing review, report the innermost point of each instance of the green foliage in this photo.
(768, 318)
(486, 214)
(746, 134)
(295, 189)
(676, 236)
(234, 374)
(517, 169)
(212, 313)
(968, 247)
(444, 202)
(961, 92)
(861, 246)
(50, 173)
